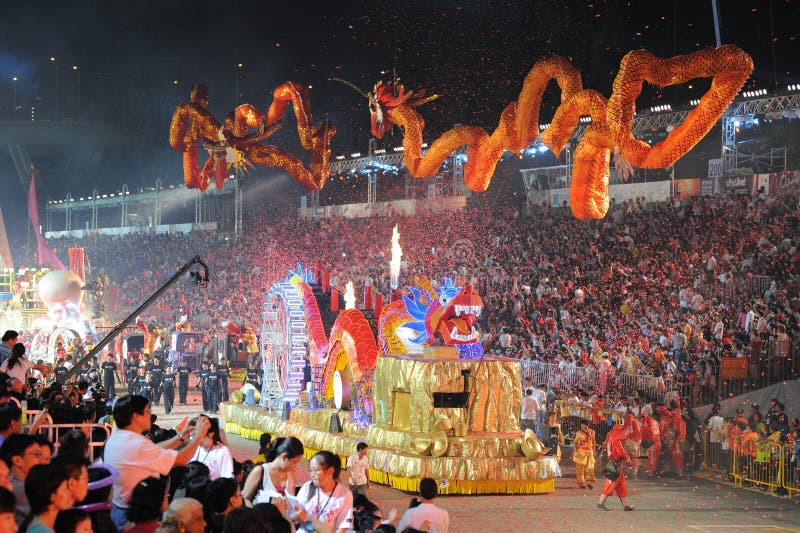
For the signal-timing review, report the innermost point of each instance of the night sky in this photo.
(475, 54)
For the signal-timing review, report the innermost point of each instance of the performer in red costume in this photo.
(617, 453)
(651, 442)
(673, 431)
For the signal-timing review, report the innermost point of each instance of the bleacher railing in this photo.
(555, 376)
(775, 362)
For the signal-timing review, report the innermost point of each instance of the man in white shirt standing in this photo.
(358, 470)
(716, 425)
(135, 458)
(438, 521)
(529, 411)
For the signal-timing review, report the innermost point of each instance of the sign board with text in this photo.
(734, 368)
(715, 168)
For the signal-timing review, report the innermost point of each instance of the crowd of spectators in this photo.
(663, 288)
(145, 479)
(653, 289)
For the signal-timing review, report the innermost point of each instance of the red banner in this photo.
(5, 249)
(76, 262)
(734, 368)
(46, 255)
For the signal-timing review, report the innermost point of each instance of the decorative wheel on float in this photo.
(67, 338)
(284, 344)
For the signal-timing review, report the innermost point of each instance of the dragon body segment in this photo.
(611, 127)
(230, 146)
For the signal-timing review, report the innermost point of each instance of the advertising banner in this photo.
(734, 368)
(784, 182)
(687, 187)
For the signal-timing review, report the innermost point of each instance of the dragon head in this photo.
(454, 313)
(385, 97)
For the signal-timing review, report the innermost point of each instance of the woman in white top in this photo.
(324, 498)
(275, 478)
(18, 367)
(213, 453)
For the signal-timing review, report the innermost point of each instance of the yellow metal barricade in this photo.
(790, 476)
(716, 459)
(758, 464)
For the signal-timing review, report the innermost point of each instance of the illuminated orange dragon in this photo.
(610, 130)
(231, 146)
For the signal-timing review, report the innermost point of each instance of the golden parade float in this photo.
(446, 412)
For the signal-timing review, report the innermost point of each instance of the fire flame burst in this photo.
(397, 254)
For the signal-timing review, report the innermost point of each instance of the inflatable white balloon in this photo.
(62, 294)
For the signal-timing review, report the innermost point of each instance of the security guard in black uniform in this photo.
(183, 382)
(158, 373)
(214, 388)
(201, 383)
(131, 373)
(93, 366)
(143, 386)
(254, 375)
(60, 371)
(109, 373)
(224, 372)
(168, 389)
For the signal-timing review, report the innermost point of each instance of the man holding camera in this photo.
(135, 458)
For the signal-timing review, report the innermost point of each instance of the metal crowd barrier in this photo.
(764, 463)
(552, 376)
(53, 432)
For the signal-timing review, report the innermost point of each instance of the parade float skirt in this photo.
(454, 421)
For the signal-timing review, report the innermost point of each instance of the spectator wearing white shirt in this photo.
(213, 453)
(716, 425)
(541, 397)
(18, 367)
(324, 498)
(505, 339)
(358, 470)
(135, 458)
(529, 411)
(426, 513)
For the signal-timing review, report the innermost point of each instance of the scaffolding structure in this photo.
(146, 207)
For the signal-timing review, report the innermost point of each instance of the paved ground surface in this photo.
(669, 505)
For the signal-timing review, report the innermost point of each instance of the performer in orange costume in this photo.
(651, 441)
(584, 456)
(617, 453)
(632, 442)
